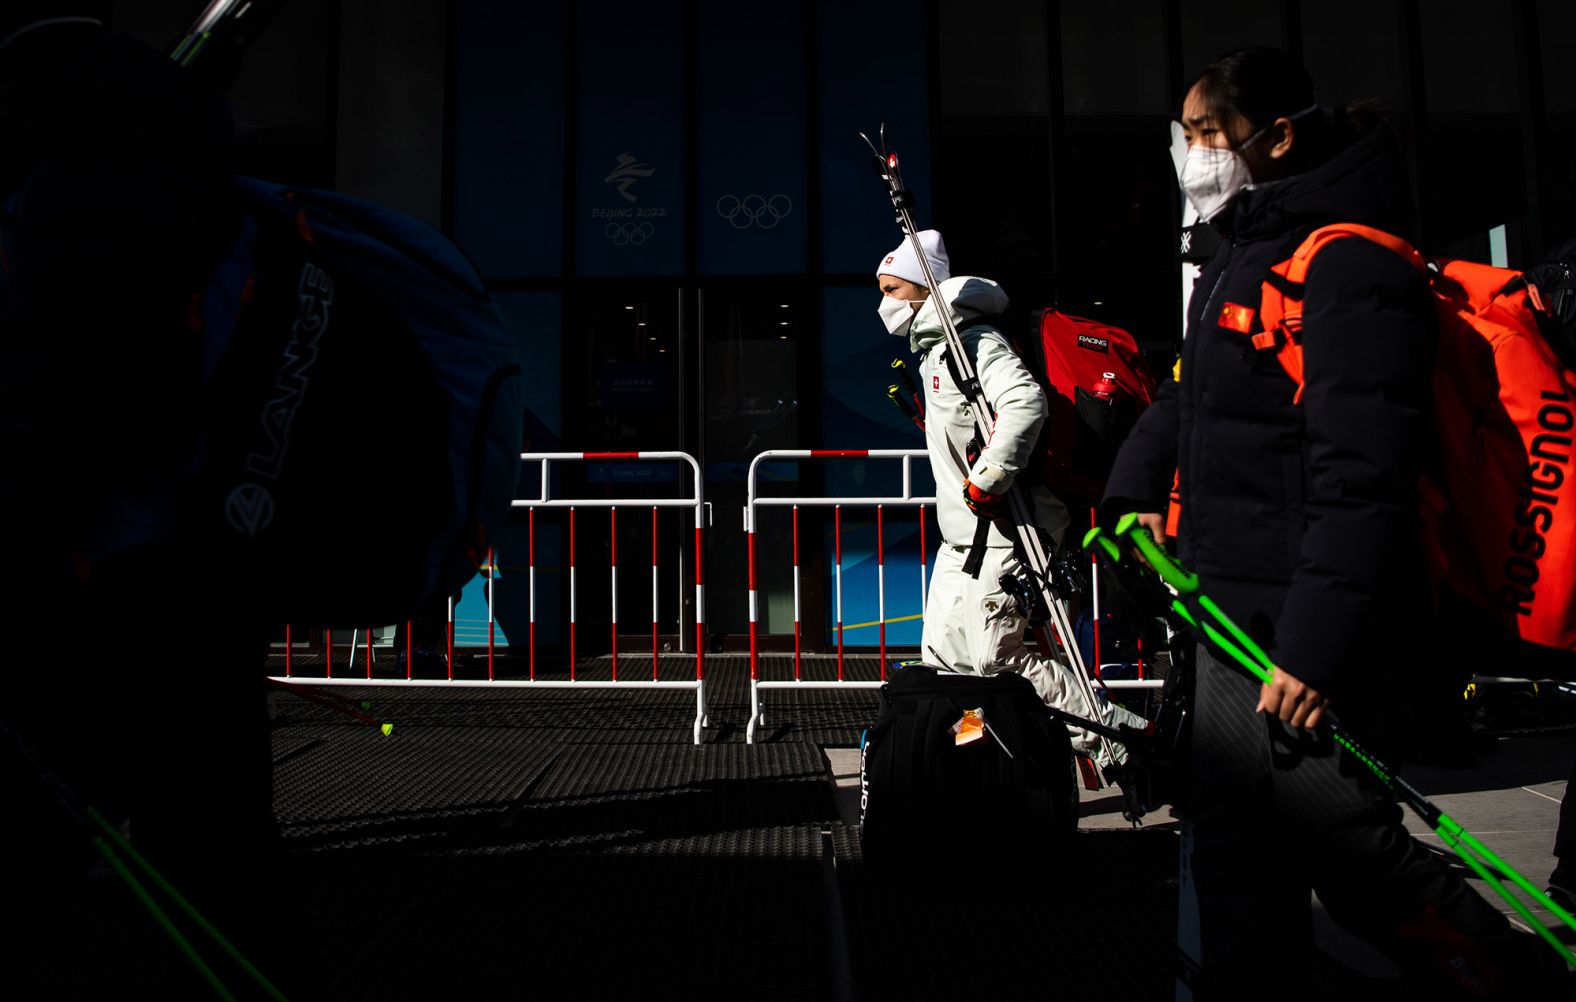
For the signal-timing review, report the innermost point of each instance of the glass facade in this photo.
(672, 204)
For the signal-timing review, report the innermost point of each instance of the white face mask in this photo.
(897, 314)
(1211, 176)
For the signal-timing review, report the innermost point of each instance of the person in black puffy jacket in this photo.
(1301, 520)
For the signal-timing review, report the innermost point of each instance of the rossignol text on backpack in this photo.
(1500, 512)
(363, 422)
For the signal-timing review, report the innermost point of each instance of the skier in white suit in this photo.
(971, 624)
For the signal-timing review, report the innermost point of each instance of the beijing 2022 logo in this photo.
(629, 225)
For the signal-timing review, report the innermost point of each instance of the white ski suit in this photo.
(970, 623)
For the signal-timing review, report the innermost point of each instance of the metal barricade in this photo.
(1100, 666)
(905, 500)
(544, 500)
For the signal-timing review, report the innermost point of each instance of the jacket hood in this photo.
(1364, 183)
(968, 297)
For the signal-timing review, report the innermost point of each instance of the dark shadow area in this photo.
(557, 844)
(1527, 761)
(1097, 924)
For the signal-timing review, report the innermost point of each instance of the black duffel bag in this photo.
(921, 792)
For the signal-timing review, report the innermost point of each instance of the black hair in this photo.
(1258, 85)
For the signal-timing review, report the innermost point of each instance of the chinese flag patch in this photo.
(1235, 317)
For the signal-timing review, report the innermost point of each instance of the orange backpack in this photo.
(1500, 511)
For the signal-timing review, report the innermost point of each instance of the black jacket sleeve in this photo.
(1367, 334)
(1142, 474)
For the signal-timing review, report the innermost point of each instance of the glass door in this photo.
(718, 372)
(628, 377)
(755, 369)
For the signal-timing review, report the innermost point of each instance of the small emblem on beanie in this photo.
(889, 259)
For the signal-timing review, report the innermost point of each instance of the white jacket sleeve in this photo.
(1019, 404)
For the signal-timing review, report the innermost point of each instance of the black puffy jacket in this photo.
(1301, 519)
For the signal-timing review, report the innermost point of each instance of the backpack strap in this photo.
(1281, 301)
(976, 555)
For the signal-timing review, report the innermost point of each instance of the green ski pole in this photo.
(1200, 611)
(112, 845)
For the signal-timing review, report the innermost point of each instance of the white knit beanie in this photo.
(903, 263)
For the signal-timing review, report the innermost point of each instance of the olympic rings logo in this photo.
(629, 234)
(754, 210)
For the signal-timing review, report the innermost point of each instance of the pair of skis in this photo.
(1187, 602)
(1032, 549)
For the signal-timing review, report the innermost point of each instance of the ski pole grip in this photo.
(1097, 539)
(896, 396)
(1181, 581)
(1229, 636)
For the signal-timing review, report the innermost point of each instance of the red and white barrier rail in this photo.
(905, 500)
(544, 500)
(1141, 682)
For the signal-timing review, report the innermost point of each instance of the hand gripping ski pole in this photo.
(1198, 610)
(1020, 507)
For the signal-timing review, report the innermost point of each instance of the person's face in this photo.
(1201, 127)
(902, 288)
(1264, 151)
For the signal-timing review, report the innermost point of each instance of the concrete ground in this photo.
(1510, 799)
(574, 844)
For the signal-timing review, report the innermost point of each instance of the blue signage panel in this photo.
(751, 142)
(629, 149)
(537, 321)
(872, 69)
(508, 142)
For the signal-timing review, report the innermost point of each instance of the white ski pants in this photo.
(972, 626)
